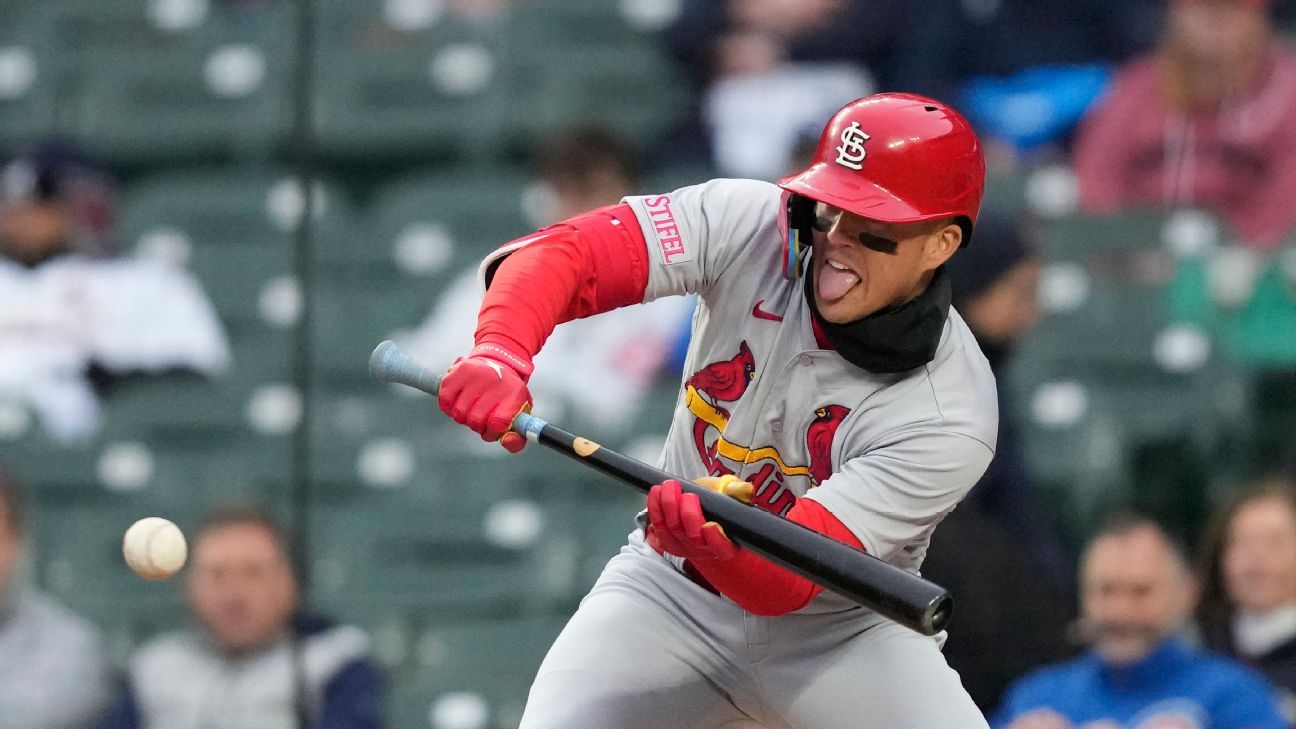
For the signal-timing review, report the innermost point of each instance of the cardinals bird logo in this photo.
(726, 381)
(819, 440)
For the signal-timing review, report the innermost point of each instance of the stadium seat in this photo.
(472, 674)
(634, 90)
(457, 217)
(235, 230)
(421, 233)
(53, 470)
(180, 405)
(442, 559)
(437, 91)
(259, 353)
(603, 529)
(28, 88)
(238, 206)
(356, 312)
(1005, 191)
(79, 557)
(1074, 444)
(1262, 333)
(147, 95)
(1103, 288)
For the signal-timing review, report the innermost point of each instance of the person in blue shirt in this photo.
(1136, 593)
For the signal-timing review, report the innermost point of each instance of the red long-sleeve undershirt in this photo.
(764, 588)
(588, 265)
(592, 264)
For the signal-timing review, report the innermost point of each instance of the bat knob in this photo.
(389, 363)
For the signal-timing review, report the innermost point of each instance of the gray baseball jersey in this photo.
(888, 455)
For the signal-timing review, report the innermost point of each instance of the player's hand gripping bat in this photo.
(902, 596)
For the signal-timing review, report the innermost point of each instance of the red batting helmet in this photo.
(898, 158)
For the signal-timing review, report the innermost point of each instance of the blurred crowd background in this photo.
(185, 322)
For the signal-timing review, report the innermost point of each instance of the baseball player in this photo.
(828, 380)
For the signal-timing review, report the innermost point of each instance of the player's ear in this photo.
(942, 243)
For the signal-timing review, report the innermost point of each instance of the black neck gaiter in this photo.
(895, 339)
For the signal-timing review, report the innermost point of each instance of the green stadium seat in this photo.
(604, 528)
(1128, 316)
(28, 91)
(229, 207)
(461, 216)
(1074, 444)
(79, 559)
(634, 90)
(440, 558)
(476, 672)
(150, 470)
(54, 470)
(353, 314)
(236, 277)
(214, 93)
(1005, 191)
(1106, 242)
(1103, 288)
(423, 232)
(259, 353)
(85, 28)
(435, 92)
(236, 232)
(179, 405)
(1262, 333)
(542, 25)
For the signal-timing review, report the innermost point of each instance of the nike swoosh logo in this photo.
(762, 314)
(499, 369)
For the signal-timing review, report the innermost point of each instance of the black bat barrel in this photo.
(902, 596)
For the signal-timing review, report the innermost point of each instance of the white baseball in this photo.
(155, 548)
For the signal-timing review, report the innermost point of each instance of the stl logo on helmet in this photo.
(851, 152)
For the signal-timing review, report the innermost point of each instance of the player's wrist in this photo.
(505, 354)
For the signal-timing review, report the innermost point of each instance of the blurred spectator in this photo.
(1015, 587)
(56, 202)
(1249, 596)
(53, 674)
(867, 32)
(1136, 594)
(253, 655)
(618, 355)
(775, 69)
(67, 311)
(583, 168)
(1203, 122)
(949, 42)
(994, 283)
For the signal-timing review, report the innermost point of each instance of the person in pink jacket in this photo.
(1205, 121)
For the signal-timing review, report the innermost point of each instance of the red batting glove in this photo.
(485, 391)
(676, 525)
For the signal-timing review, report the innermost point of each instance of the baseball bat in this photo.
(899, 595)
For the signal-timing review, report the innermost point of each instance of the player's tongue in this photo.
(834, 282)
